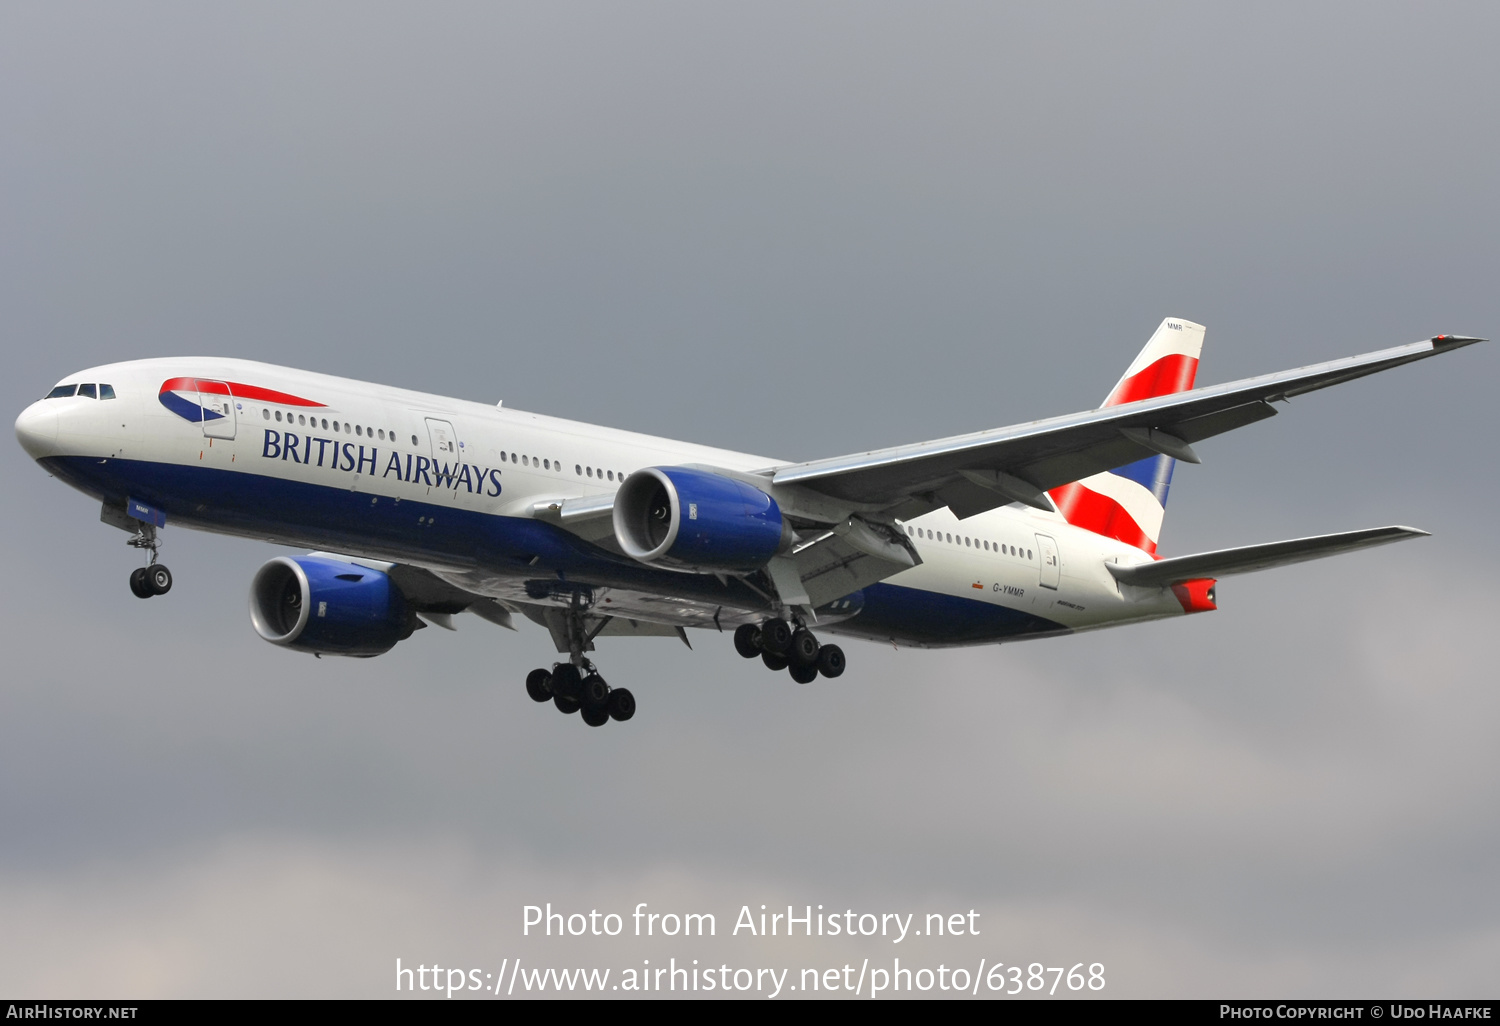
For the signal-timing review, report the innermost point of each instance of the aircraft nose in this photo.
(36, 430)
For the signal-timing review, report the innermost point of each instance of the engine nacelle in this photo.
(696, 519)
(328, 606)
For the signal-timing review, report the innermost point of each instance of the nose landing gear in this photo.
(797, 651)
(153, 578)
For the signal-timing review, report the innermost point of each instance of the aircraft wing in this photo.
(432, 598)
(436, 601)
(1248, 558)
(977, 472)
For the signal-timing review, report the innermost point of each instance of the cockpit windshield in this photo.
(90, 391)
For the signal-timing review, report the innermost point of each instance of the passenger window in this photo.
(413, 439)
(611, 475)
(278, 416)
(301, 420)
(265, 413)
(1028, 553)
(88, 390)
(62, 391)
(106, 391)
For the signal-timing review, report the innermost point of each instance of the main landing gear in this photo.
(572, 690)
(153, 578)
(782, 647)
(575, 686)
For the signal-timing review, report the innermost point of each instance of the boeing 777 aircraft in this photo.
(422, 507)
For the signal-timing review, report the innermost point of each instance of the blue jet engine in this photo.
(328, 607)
(695, 519)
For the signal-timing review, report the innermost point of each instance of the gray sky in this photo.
(801, 230)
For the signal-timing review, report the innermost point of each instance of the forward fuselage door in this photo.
(446, 462)
(1051, 566)
(218, 408)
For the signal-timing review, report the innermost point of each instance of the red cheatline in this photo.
(237, 390)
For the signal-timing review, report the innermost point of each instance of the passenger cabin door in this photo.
(1051, 568)
(446, 462)
(218, 408)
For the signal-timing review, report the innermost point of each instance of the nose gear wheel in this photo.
(153, 578)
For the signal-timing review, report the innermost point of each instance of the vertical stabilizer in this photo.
(1129, 503)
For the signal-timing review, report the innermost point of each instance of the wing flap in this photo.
(1249, 558)
(1199, 428)
(838, 564)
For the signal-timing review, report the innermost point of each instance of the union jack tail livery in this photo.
(1129, 502)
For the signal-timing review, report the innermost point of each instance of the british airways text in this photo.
(346, 456)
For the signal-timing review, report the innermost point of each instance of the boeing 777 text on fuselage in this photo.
(422, 507)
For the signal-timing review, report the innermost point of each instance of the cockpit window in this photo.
(106, 391)
(62, 391)
(89, 391)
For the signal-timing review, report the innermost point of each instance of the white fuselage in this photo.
(451, 486)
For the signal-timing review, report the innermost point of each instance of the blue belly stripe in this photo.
(341, 520)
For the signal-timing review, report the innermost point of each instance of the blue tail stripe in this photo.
(1154, 473)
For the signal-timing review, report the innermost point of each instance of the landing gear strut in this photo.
(575, 686)
(797, 650)
(153, 578)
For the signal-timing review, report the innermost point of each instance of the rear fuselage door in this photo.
(218, 408)
(1051, 567)
(446, 463)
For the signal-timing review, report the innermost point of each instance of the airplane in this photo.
(419, 507)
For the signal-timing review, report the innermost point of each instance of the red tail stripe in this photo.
(1171, 374)
(1086, 508)
(237, 390)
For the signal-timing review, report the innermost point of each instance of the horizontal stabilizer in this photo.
(1256, 557)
